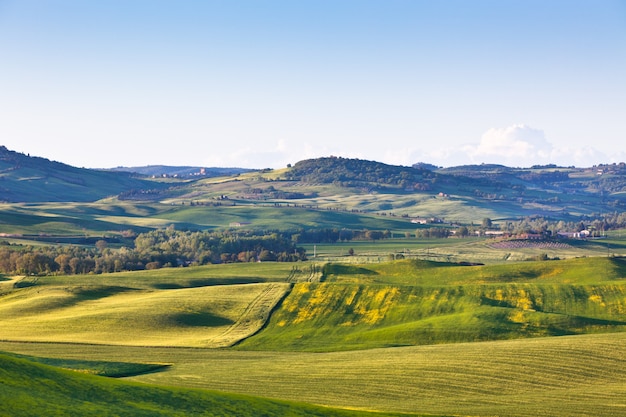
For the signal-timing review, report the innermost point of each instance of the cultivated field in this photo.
(384, 336)
(463, 326)
(564, 376)
(177, 309)
(32, 389)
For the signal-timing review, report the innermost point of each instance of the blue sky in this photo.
(266, 83)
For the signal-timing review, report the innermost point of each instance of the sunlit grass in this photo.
(206, 316)
(419, 302)
(558, 376)
(33, 389)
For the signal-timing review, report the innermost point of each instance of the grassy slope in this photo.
(31, 389)
(207, 307)
(411, 272)
(172, 278)
(416, 303)
(283, 218)
(97, 218)
(360, 306)
(559, 376)
(101, 368)
(403, 302)
(77, 218)
(26, 179)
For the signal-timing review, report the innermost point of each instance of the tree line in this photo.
(171, 248)
(152, 250)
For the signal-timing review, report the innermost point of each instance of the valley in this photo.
(333, 287)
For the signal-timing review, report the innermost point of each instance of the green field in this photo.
(404, 325)
(33, 389)
(113, 217)
(557, 376)
(403, 336)
(477, 250)
(210, 310)
(420, 302)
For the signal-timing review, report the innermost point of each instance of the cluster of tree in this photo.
(156, 249)
(538, 224)
(172, 247)
(545, 178)
(333, 235)
(140, 194)
(66, 260)
(434, 232)
(357, 173)
(596, 225)
(275, 194)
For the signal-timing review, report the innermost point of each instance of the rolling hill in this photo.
(335, 183)
(24, 178)
(34, 389)
(465, 317)
(385, 336)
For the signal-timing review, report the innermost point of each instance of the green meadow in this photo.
(470, 249)
(557, 376)
(421, 302)
(113, 217)
(174, 307)
(434, 327)
(405, 336)
(408, 325)
(33, 389)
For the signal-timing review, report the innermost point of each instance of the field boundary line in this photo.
(253, 318)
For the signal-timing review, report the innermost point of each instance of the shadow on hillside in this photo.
(343, 269)
(95, 293)
(201, 319)
(206, 282)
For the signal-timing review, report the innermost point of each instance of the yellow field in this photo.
(213, 316)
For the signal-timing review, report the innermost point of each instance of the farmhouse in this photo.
(583, 234)
(421, 220)
(492, 233)
(238, 224)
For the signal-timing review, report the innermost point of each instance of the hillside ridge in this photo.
(25, 178)
(546, 190)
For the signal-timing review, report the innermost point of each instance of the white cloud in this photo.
(516, 145)
(262, 156)
(583, 157)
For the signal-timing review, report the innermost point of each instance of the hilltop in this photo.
(25, 178)
(335, 183)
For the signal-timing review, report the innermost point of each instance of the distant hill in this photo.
(360, 173)
(496, 190)
(25, 178)
(181, 171)
(425, 165)
(602, 179)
